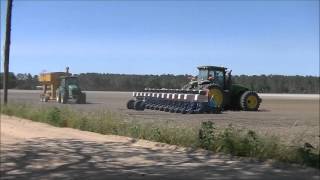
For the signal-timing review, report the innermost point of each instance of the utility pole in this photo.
(7, 52)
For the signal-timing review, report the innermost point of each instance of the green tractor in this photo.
(218, 84)
(69, 89)
(211, 92)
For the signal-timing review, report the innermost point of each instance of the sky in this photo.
(164, 37)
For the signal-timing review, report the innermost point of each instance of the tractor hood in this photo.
(74, 89)
(237, 88)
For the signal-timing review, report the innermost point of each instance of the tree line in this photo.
(125, 82)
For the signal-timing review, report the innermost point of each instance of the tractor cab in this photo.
(69, 81)
(70, 84)
(212, 75)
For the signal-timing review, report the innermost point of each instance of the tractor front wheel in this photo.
(215, 96)
(250, 101)
(58, 98)
(41, 98)
(82, 98)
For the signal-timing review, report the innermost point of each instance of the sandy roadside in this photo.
(31, 150)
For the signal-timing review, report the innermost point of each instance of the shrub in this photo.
(206, 135)
(54, 117)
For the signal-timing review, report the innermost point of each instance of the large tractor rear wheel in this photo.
(215, 95)
(250, 101)
(82, 98)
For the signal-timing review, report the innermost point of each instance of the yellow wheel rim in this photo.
(252, 102)
(217, 96)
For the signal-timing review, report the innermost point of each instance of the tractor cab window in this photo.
(212, 74)
(218, 77)
(72, 81)
(203, 75)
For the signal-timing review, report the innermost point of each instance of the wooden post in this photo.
(7, 52)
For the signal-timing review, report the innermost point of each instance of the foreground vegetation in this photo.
(126, 82)
(230, 140)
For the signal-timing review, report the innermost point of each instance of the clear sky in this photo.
(157, 37)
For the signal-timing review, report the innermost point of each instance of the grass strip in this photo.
(230, 140)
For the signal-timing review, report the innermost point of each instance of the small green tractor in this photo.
(69, 89)
(62, 87)
(211, 92)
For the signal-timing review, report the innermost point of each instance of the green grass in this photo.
(230, 140)
(249, 144)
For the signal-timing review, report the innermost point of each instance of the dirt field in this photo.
(294, 118)
(31, 150)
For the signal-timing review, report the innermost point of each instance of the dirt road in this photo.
(31, 150)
